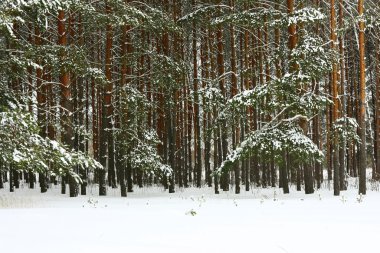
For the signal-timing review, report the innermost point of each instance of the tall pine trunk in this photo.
(66, 103)
(334, 87)
(362, 99)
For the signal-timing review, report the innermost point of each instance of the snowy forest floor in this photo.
(190, 220)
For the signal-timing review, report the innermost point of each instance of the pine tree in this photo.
(362, 112)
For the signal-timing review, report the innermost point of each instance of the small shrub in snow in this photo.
(191, 212)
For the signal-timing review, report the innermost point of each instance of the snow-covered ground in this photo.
(191, 220)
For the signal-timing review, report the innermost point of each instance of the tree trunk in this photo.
(221, 72)
(343, 145)
(1, 176)
(234, 88)
(197, 128)
(377, 123)
(362, 111)
(335, 110)
(11, 182)
(66, 103)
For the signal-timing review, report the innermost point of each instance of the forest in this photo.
(233, 95)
